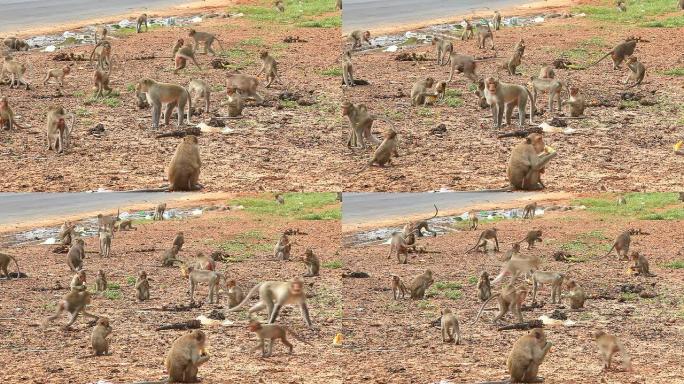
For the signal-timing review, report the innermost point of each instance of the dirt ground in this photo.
(627, 149)
(269, 149)
(398, 345)
(56, 355)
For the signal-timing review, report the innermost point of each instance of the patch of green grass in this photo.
(639, 12)
(82, 112)
(289, 104)
(79, 94)
(472, 280)
(328, 22)
(425, 304)
(629, 296)
(115, 286)
(234, 53)
(586, 245)
(130, 280)
(334, 264)
(674, 72)
(217, 88)
(449, 289)
(252, 42)
(670, 22)
(410, 41)
(677, 264)
(123, 31)
(69, 41)
(332, 72)
(643, 206)
(576, 53)
(301, 13)
(244, 246)
(452, 98)
(306, 206)
(628, 104)
(330, 214)
(424, 112)
(130, 87)
(111, 100)
(113, 291)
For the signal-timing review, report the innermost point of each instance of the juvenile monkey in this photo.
(530, 210)
(484, 32)
(187, 354)
(479, 92)
(142, 20)
(484, 289)
(235, 104)
(609, 345)
(74, 303)
(467, 30)
(170, 258)
(199, 90)
(78, 281)
(58, 74)
(527, 355)
(105, 243)
(398, 287)
(621, 6)
(125, 225)
(313, 264)
(106, 222)
(551, 86)
(420, 90)
(4, 263)
(142, 287)
(514, 251)
(517, 266)
(576, 294)
(101, 281)
(462, 64)
(76, 255)
(16, 44)
(436, 93)
(620, 52)
(279, 6)
(474, 221)
(553, 278)
(204, 263)
(515, 60)
(272, 332)
(282, 248)
(383, 154)
(269, 67)
(527, 162)
(206, 38)
(176, 47)
(15, 70)
(98, 339)
(449, 324)
(547, 72)
(360, 125)
(509, 299)
(640, 264)
(487, 234)
(279, 199)
(575, 102)
(444, 48)
(357, 38)
(7, 120)
(163, 93)
(246, 85)
(420, 284)
(621, 245)
(496, 21)
(637, 72)
(532, 237)
(159, 211)
(235, 294)
(398, 245)
(103, 54)
(179, 240)
(184, 168)
(67, 233)
(507, 96)
(621, 200)
(102, 32)
(347, 69)
(182, 55)
(196, 276)
(273, 295)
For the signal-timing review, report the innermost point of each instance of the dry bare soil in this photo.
(247, 239)
(394, 342)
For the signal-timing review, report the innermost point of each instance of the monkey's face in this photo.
(366, 35)
(103, 322)
(538, 334)
(263, 54)
(429, 82)
(230, 283)
(296, 287)
(492, 85)
(570, 285)
(192, 139)
(537, 142)
(345, 109)
(574, 91)
(516, 247)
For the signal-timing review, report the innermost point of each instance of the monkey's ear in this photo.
(528, 140)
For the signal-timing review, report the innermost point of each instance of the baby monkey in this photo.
(313, 264)
(609, 345)
(449, 327)
(272, 332)
(98, 338)
(269, 67)
(398, 287)
(383, 154)
(58, 74)
(637, 72)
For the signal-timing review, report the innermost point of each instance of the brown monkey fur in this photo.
(530, 210)
(527, 162)
(313, 264)
(527, 355)
(609, 345)
(621, 245)
(444, 48)
(532, 237)
(360, 125)
(142, 287)
(184, 168)
(484, 289)
(187, 354)
(357, 38)
(420, 284)
(101, 281)
(4, 263)
(383, 154)
(509, 299)
(487, 234)
(74, 303)
(98, 339)
(576, 294)
(449, 324)
(273, 295)
(398, 287)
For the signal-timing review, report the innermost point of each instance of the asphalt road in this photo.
(358, 208)
(21, 14)
(369, 14)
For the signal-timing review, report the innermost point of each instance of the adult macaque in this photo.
(516, 266)
(515, 60)
(235, 104)
(58, 74)
(142, 287)
(467, 30)
(640, 266)
(527, 162)
(609, 345)
(106, 222)
(313, 264)
(4, 263)
(576, 295)
(16, 44)
(547, 72)
(282, 248)
(621, 245)
(398, 287)
(383, 154)
(347, 69)
(101, 281)
(235, 294)
(101, 80)
(357, 38)
(76, 255)
(15, 70)
(474, 221)
(398, 245)
(179, 240)
(420, 284)
(269, 67)
(182, 55)
(530, 210)
(496, 20)
(102, 31)
(271, 332)
(420, 90)
(637, 71)
(78, 281)
(159, 211)
(105, 243)
(98, 339)
(196, 276)
(170, 257)
(273, 295)
(204, 263)
(554, 279)
(449, 324)
(206, 38)
(74, 303)
(7, 120)
(620, 52)
(500, 95)
(484, 32)
(184, 168)
(360, 124)
(513, 252)
(142, 20)
(444, 48)
(246, 85)
(125, 225)
(199, 90)
(163, 93)
(527, 355)
(532, 237)
(509, 299)
(487, 234)
(187, 354)
(67, 233)
(551, 86)
(484, 289)
(103, 54)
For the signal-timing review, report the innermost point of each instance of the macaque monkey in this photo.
(398, 245)
(507, 96)
(101, 281)
(409, 235)
(551, 86)
(484, 289)
(398, 287)
(187, 354)
(7, 120)
(474, 221)
(246, 85)
(199, 90)
(142, 287)
(681, 5)
(279, 6)
(102, 32)
(621, 6)
(347, 69)
(621, 245)
(620, 52)
(269, 67)
(420, 284)
(313, 264)
(487, 234)
(338, 5)
(170, 258)
(621, 200)
(436, 93)
(196, 276)
(184, 168)
(547, 72)
(4, 263)
(98, 339)
(279, 199)
(360, 124)
(182, 55)
(357, 38)
(462, 64)
(15, 71)
(159, 211)
(516, 266)
(637, 72)
(449, 324)
(555, 279)
(78, 281)
(125, 225)
(142, 20)
(74, 303)
(179, 240)
(273, 295)
(514, 251)
(58, 74)
(176, 47)
(496, 21)
(640, 264)
(576, 294)
(106, 223)
(282, 248)
(163, 93)
(383, 154)
(105, 243)
(484, 32)
(532, 237)
(530, 210)
(479, 92)
(272, 332)
(16, 44)
(418, 226)
(515, 60)
(76, 255)
(527, 162)
(235, 104)
(467, 30)
(609, 345)
(103, 54)
(67, 233)
(527, 355)
(235, 294)
(206, 38)
(420, 90)
(204, 263)
(444, 48)
(509, 299)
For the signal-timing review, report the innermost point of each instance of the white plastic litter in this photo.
(391, 48)
(196, 19)
(196, 212)
(50, 48)
(546, 127)
(410, 34)
(207, 321)
(553, 322)
(68, 34)
(50, 241)
(124, 23)
(227, 131)
(538, 19)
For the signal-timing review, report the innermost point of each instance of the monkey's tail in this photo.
(189, 107)
(479, 313)
(365, 167)
(633, 85)
(297, 337)
(436, 212)
(599, 60)
(533, 104)
(249, 295)
(609, 251)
